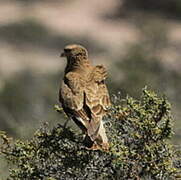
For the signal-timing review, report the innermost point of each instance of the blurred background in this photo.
(139, 42)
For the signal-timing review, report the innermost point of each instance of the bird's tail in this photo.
(96, 134)
(93, 129)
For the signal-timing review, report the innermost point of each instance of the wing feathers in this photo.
(99, 73)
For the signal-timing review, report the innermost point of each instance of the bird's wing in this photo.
(72, 99)
(98, 74)
(96, 90)
(96, 97)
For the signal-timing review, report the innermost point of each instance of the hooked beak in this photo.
(62, 54)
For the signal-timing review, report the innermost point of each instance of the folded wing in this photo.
(96, 98)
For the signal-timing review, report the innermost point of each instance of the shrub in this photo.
(139, 133)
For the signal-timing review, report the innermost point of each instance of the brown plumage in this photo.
(84, 96)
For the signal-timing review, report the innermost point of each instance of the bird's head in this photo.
(74, 51)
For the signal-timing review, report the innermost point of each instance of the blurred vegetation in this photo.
(138, 131)
(31, 2)
(30, 32)
(165, 8)
(27, 99)
(142, 63)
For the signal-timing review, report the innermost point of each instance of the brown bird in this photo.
(84, 95)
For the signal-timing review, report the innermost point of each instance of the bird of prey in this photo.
(84, 95)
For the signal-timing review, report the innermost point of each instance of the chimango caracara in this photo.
(84, 95)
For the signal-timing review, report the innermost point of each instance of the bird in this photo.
(84, 95)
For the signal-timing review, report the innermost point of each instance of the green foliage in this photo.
(138, 131)
(142, 128)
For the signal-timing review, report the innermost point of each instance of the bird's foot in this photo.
(105, 146)
(102, 147)
(95, 147)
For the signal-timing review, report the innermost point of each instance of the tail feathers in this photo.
(93, 129)
(97, 135)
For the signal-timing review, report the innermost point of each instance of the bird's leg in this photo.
(94, 147)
